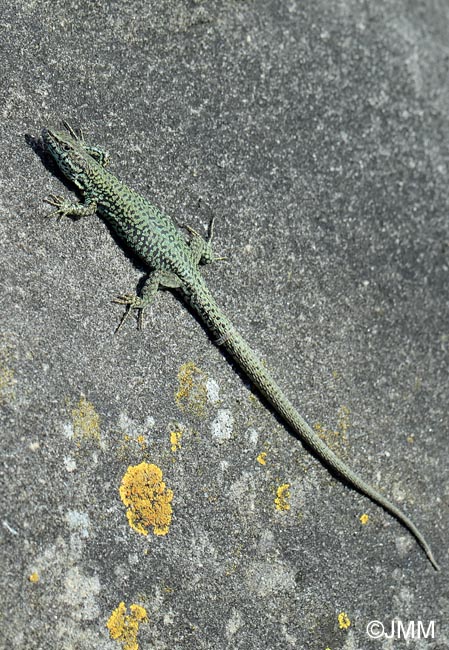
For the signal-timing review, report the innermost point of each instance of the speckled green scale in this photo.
(173, 262)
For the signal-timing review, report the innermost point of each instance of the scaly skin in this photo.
(175, 264)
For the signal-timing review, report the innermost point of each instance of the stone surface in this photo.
(317, 134)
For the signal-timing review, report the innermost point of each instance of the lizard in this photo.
(174, 263)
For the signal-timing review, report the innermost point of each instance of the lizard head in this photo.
(75, 159)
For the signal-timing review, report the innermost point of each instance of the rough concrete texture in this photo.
(317, 134)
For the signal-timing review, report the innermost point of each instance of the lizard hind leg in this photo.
(155, 281)
(200, 248)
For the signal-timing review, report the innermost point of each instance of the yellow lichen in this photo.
(85, 421)
(192, 392)
(364, 519)
(175, 440)
(320, 430)
(282, 496)
(343, 621)
(343, 422)
(148, 500)
(128, 443)
(33, 577)
(141, 440)
(262, 458)
(335, 439)
(124, 627)
(7, 378)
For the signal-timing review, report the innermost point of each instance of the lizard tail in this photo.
(204, 304)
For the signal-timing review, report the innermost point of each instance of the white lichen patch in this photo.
(233, 624)
(222, 426)
(266, 579)
(78, 522)
(132, 428)
(213, 391)
(243, 493)
(81, 593)
(69, 463)
(66, 590)
(67, 430)
(252, 436)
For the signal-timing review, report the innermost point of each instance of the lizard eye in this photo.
(66, 147)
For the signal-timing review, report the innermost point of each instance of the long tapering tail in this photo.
(204, 304)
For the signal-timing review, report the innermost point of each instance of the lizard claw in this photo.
(191, 230)
(132, 301)
(53, 199)
(123, 318)
(61, 204)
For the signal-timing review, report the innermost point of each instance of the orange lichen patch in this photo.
(33, 577)
(148, 500)
(124, 627)
(364, 519)
(86, 421)
(175, 440)
(192, 392)
(282, 496)
(343, 621)
(262, 458)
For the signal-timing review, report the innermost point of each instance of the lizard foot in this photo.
(63, 206)
(132, 301)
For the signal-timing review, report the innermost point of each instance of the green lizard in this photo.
(174, 263)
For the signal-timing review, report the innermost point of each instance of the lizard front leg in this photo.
(64, 207)
(155, 281)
